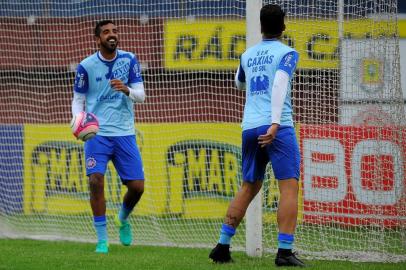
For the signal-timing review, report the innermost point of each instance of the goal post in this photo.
(253, 244)
(349, 111)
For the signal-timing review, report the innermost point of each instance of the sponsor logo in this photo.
(209, 170)
(90, 163)
(57, 176)
(205, 168)
(262, 60)
(80, 80)
(219, 45)
(137, 70)
(61, 161)
(109, 97)
(259, 85)
(371, 71)
(353, 175)
(121, 71)
(287, 62)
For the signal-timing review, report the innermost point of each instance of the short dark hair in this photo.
(97, 29)
(272, 19)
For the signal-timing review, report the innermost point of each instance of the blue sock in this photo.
(124, 212)
(226, 233)
(100, 224)
(285, 241)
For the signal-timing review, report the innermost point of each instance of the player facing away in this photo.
(268, 135)
(107, 84)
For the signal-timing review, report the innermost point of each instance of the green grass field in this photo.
(204, 232)
(43, 255)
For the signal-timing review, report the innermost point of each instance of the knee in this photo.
(251, 189)
(96, 183)
(289, 187)
(139, 190)
(136, 187)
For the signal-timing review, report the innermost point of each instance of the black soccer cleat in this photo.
(221, 254)
(288, 260)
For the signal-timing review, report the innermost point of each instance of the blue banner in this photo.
(11, 168)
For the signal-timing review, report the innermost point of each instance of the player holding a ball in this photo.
(107, 84)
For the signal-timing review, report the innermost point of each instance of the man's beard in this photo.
(109, 47)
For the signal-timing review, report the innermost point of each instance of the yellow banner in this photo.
(192, 170)
(203, 45)
(208, 45)
(55, 179)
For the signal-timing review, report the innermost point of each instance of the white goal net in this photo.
(348, 107)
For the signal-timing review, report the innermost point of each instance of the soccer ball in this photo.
(84, 126)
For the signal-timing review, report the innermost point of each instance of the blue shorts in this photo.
(283, 153)
(121, 150)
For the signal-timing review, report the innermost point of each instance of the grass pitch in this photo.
(61, 255)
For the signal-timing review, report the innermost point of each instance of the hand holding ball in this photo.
(84, 126)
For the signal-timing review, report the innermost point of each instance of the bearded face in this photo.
(108, 39)
(110, 43)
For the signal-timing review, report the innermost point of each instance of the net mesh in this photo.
(347, 100)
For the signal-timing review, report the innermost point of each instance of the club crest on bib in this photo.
(90, 163)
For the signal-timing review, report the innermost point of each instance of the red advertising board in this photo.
(353, 175)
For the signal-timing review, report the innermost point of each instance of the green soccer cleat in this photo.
(102, 247)
(126, 237)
